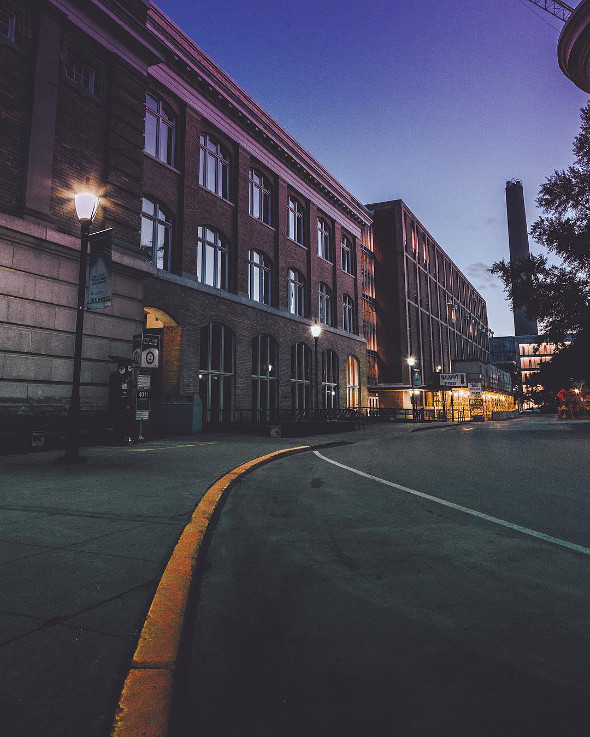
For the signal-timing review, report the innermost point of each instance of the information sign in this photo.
(453, 379)
(146, 350)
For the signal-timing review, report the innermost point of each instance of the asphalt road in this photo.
(333, 603)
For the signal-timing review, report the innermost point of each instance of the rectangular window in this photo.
(80, 74)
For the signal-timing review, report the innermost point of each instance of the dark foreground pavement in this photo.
(335, 604)
(82, 549)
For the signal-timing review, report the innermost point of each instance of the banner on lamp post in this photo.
(99, 280)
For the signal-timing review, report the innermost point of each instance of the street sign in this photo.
(146, 350)
(474, 388)
(453, 379)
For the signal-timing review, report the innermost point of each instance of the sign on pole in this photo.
(143, 396)
(99, 278)
(453, 379)
(146, 350)
(474, 388)
(416, 377)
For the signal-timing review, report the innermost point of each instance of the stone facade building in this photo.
(229, 239)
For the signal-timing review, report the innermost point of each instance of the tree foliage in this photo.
(558, 296)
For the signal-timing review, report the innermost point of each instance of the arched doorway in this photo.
(166, 379)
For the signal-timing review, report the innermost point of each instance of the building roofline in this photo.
(186, 56)
(390, 203)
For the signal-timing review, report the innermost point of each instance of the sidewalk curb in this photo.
(144, 705)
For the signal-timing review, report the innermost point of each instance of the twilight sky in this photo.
(436, 102)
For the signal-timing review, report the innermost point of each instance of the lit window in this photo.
(324, 240)
(216, 372)
(214, 166)
(80, 74)
(325, 307)
(348, 314)
(156, 234)
(330, 384)
(300, 377)
(347, 259)
(159, 130)
(353, 393)
(259, 196)
(295, 221)
(296, 293)
(259, 277)
(211, 258)
(265, 354)
(7, 24)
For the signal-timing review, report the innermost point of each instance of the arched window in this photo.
(216, 372)
(156, 234)
(324, 240)
(330, 386)
(295, 221)
(348, 314)
(265, 356)
(347, 254)
(159, 130)
(296, 293)
(300, 376)
(212, 258)
(259, 196)
(214, 166)
(353, 393)
(7, 24)
(259, 277)
(325, 305)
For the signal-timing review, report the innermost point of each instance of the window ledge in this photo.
(219, 197)
(163, 163)
(325, 260)
(301, 245)
(258, 220)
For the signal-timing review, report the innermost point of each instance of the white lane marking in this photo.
(466, 510)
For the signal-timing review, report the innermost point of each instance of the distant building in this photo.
(528, 354)
(532, 355)
(423, 307)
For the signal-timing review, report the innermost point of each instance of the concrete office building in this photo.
(425, 309)
(230, 240)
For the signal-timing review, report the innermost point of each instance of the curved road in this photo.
(446, 591)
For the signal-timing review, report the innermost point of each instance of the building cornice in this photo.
(195, 68)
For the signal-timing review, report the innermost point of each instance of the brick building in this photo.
(230, 240)
(425, 309)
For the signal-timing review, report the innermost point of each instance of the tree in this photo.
(558, 296)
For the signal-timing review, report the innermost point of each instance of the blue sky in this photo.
(438, 102)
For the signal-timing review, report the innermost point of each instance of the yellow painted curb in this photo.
(144, 704)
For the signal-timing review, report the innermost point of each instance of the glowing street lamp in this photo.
(316, 331)
(86, 207)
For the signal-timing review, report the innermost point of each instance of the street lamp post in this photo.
(411, 361)
(316, 331)
(86, 206)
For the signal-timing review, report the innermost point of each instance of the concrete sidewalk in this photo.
(82, 549)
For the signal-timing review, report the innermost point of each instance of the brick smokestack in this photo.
(518, 242)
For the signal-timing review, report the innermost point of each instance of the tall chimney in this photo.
(518, 242)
